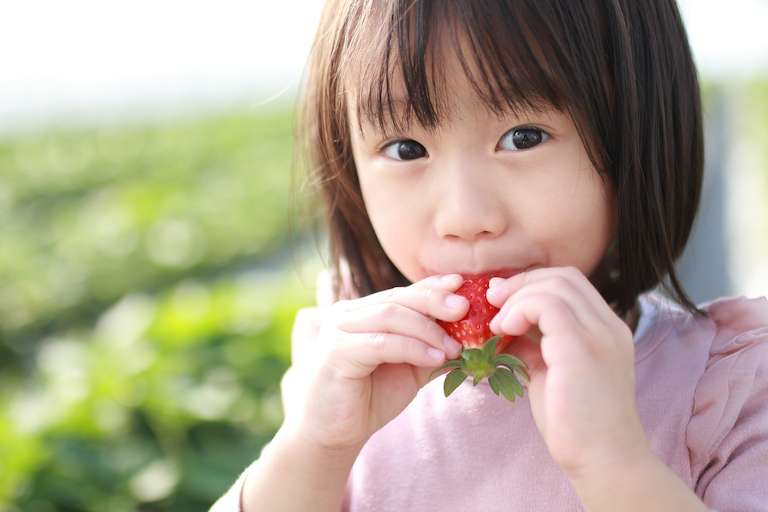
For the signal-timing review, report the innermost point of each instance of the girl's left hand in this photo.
(580, 356)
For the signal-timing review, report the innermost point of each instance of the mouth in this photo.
(505, 272)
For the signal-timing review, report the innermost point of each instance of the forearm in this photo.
(641, 484)
(296, 474)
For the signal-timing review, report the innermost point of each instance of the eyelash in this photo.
(542, 136)
(393, 145)
(421, 151)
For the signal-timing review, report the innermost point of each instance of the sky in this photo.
(90, 58)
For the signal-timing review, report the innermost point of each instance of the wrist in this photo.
(302, 439)
(597, 481)
(295, 472)
(639, 481)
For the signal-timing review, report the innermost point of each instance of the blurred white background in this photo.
(96, 58)
(103, 58)
(728, 38)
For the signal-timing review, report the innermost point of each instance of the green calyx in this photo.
(481, 363)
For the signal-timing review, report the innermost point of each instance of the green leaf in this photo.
(453, 380)
(513, 363)
(509, 361)
(454, 363)
(507, 384)
(489, 349)
(494, 382)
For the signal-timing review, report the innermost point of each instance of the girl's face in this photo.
(484, 195)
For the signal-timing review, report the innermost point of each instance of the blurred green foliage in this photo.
(147, 293)
(749, 146)
(753, 107)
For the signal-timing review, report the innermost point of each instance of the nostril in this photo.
(469, 210)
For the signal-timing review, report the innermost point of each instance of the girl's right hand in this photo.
(371, 357)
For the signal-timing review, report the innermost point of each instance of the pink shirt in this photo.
(702, 395)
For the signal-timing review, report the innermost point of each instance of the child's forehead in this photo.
(398, 81)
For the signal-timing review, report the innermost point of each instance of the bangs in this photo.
(512, 54)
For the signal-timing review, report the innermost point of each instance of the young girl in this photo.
(555, 145)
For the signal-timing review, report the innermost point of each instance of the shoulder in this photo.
(730, 324)
(727, 436)
(738, 353)
(721, 358)
(730, 410)
(739, 315)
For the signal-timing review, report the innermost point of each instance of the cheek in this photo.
(578, 227)
(599, 230)
(381, 204)
(394, 223)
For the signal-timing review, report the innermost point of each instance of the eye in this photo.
(522, 138)
(405, 150)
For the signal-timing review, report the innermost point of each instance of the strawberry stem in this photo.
(484, 363)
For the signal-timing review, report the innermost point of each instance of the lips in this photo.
(505, 272)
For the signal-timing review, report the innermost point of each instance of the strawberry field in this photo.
(147, 292)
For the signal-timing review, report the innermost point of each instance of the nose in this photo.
(470, 205)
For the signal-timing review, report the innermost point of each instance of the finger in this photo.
(450, 282)
(560, 343)
(588, 317)
(564, 342)
(567, 282)
(394, 318)
(366, 352)
(432, 297)
(550, 313)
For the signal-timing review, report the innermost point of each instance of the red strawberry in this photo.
(472, 331)
(482, 350)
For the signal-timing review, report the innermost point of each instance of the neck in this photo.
(632, 317)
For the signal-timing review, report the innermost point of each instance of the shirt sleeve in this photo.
(728, 433)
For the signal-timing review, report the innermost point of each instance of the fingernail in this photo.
(449, 277)
(454, 301)
(494, 290)
(451, 345)
(435, 354)
(495, 281)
